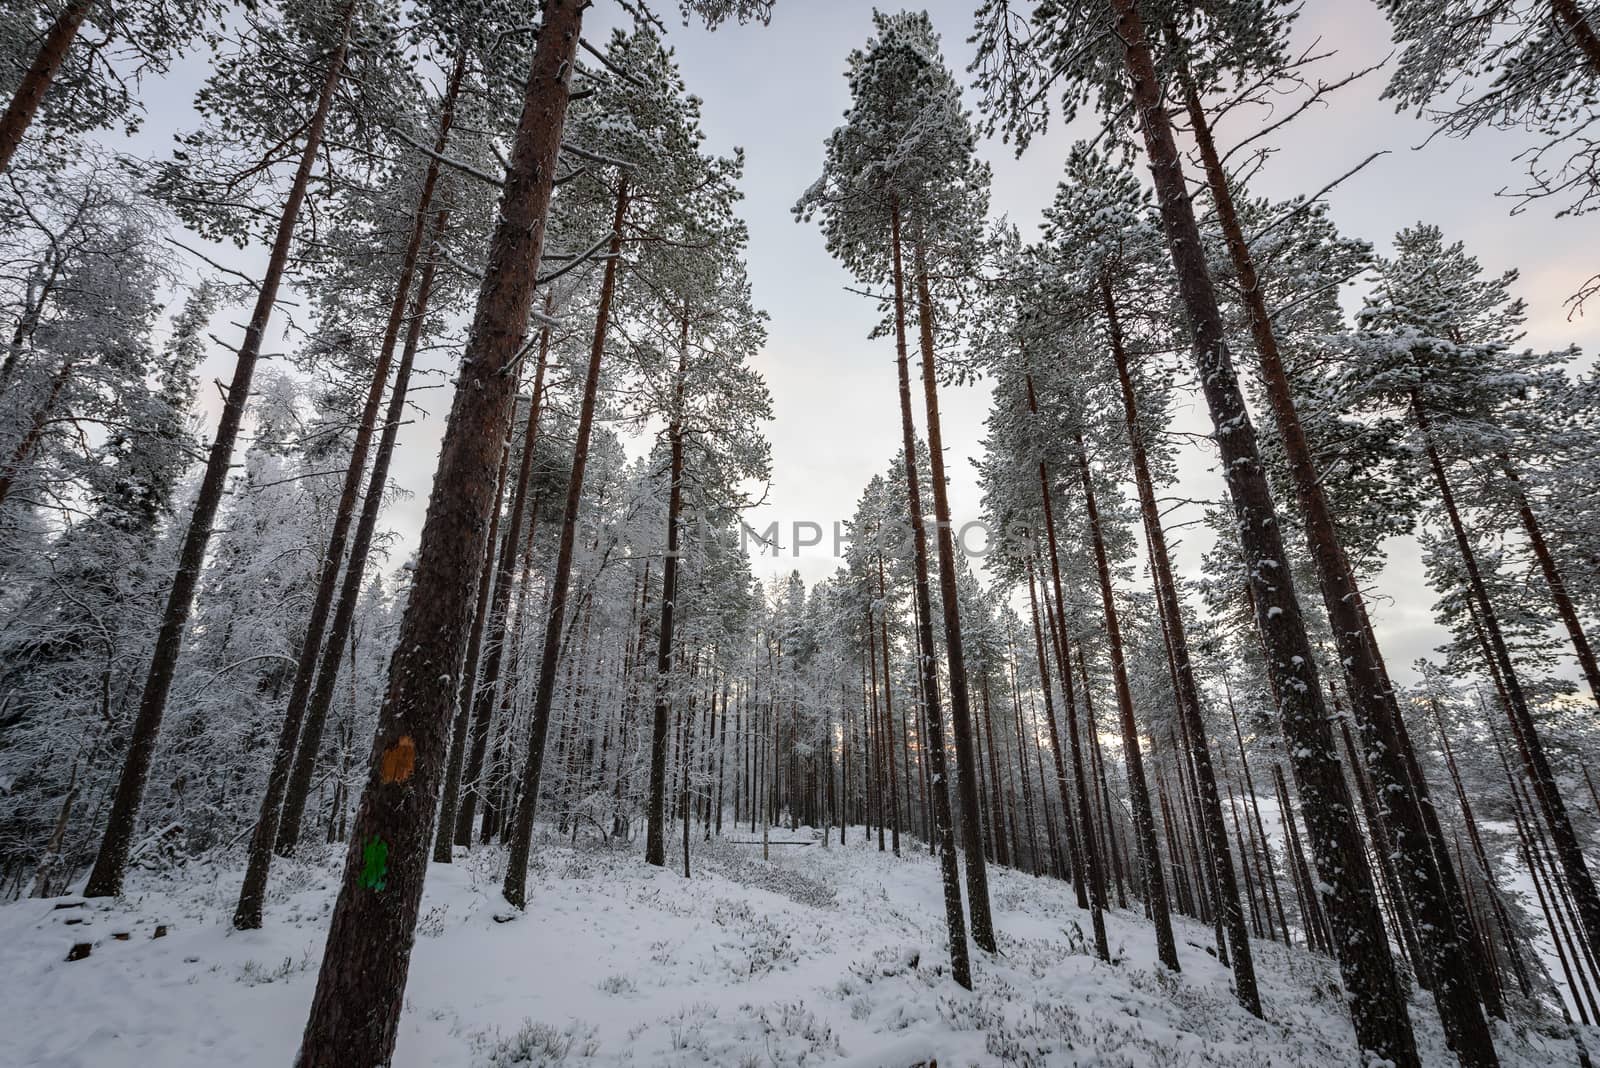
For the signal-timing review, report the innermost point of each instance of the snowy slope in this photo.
(818, 957)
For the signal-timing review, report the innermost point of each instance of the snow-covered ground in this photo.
(817, 957)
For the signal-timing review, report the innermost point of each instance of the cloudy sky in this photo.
(777, 91)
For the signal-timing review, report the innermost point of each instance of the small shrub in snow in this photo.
(535, 1045)
(795, 1036)
(254, 973)
(431, 925)
(485, 868)
(686, 1028)
(618, 984)
(759, 944)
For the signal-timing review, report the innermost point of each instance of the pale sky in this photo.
(777, 91)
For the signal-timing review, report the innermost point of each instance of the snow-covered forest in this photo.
(563, 760)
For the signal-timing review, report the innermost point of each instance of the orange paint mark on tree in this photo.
(399, 761)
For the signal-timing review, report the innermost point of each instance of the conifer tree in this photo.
(1119, 71)
(327, 35)
(355, 1011)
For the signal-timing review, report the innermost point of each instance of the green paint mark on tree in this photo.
(376, 855)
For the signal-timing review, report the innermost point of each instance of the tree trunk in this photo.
(949, 595)
(1572, 17)
(1188, 692)
(997, 812)
(1552, 577)
(960, 968)
(36, 426)
(888, 711)
(1089, 874)
(1143, 819)
(1567, 847)
(344, 614)
(484, 690)
(1450, 950)
(448, 834)
(1383, 1028)
(40, 73)
(655, 849)
(1481, 855)
(247, 914)
(106, 878)
(544, 689)
(1086, 845)
(355, 1011)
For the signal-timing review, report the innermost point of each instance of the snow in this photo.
(821, 956)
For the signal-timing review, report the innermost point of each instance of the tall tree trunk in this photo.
(1097, 771)
(106, 878)
(247, 914)
(1552, 577)
(1576, 23)
(544, 689)
(928, 671)
(1567, 847)
(1377, 1003)
(1022, 765)
(1260, 830)
(997, 812)
(1450, 950)
(37, 78)
(1543, 881)
(1133, 760)
(1089, 874)
(888, 708)
(495, 638)
(1183, 671)
(355, 1011)
(36, 427)
(1481, 855)
(344, 614)
(1385, 854)
(655, 849)
(448, 834)
(949, 595)
(1085, 839)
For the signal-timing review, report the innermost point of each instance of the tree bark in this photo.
(40, 74)
(655, 849)
(1084, 860)
(1377, 1004)
(1133, 760)
(1567, 847)
(355, 1011)
(949, 596)
(247, 914)
(495, 638)
(1583, 34)
(888, 711)
(1452, 960)
(448, 833)
(928, 671)
(1552, 577)
(1183, 670)
(106, 878)
(544, 689)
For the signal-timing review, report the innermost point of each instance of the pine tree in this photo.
(355, 1011)
(899, 166)
(1121, 70)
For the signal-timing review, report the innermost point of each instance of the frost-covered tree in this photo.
(1507, 64)
(1435, 339)
(1110, 56)
(900, 175)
